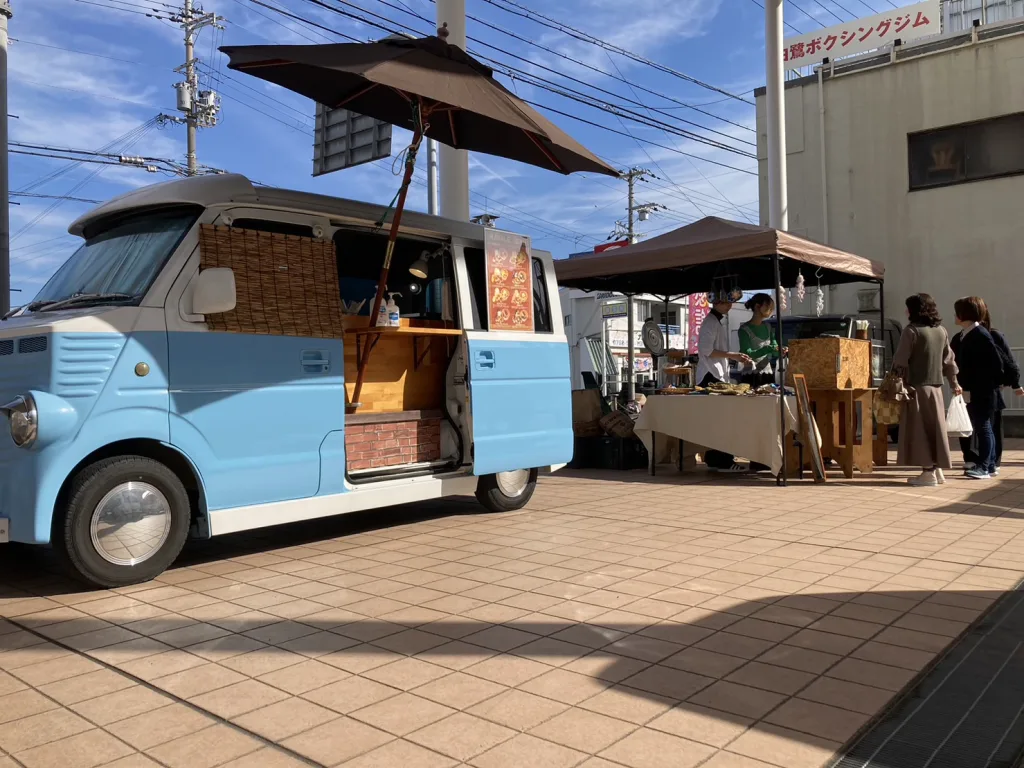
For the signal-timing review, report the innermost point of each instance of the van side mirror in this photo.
(214, 292)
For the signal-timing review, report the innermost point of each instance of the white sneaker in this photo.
(995, 472)
(978, 474)
(940, 476)
(735, 469)
(926, 479)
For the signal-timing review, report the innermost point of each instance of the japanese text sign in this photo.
(911, 22)
(509, 281)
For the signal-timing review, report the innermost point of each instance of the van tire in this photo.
(121, 484)
(491, 494)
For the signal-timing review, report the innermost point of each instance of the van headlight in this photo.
(23, 419)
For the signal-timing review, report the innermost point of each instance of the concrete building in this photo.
(915, 157)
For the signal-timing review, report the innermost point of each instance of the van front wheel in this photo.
(506, 491)
(125, 522)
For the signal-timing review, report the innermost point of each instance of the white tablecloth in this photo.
(747, 427)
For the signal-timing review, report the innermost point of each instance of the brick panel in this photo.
(392, 444)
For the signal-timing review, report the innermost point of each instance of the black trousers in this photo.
(721, 459)
(968, 444)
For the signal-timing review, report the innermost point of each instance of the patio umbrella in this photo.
(429, 87)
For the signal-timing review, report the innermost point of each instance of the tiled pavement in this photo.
(619, 621)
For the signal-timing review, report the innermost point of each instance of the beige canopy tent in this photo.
(716, 254)
(690, 259)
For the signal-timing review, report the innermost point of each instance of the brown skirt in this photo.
(923, 439)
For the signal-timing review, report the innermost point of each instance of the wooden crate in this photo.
(830, 363)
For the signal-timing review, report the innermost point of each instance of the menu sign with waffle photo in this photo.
(509, 262)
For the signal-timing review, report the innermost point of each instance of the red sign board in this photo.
(608, 246)
(509, 281)
(699, 309)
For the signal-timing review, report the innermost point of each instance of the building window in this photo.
(986, 149)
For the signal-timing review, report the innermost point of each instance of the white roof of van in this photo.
(219, 189)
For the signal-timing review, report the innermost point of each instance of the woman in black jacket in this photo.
(981, 376)
(1011, 379)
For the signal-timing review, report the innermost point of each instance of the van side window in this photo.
(477, 271)
(541, 305)
(277, 227)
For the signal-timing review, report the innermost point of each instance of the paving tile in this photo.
(400, 753)
(285, 718)
(459, 690)
(40, 729)
(817, 719)
(87, 686)
(699, 724)
(407, 673)
(337, 741)
(870, 673)
(528, 750)
(234, 700)
(771, 678)
(268, 757)
(732, 760)
(583, 730)
(206, 748)
(402, 714)
(667, 682)
(198, 680)
(847, 695)
(628, 704)
(162, 725)
(653, 749)
(462, 736)
(84, 750)
(784, 748)
(15, 706)
(508, 670)
(738, 699)
(55, 670)
(564, 686)
(161, 665)
(120, 705)
(350, 694)
(518, 710)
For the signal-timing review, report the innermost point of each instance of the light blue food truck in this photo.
(191, 371)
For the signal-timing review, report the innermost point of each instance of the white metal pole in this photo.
(454, 163)
(630, 304)
(5, 221)
(778, 207)
(432, 207)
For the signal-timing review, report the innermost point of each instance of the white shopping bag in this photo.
(958, 423)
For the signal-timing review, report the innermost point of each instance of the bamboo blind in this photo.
(287, 285)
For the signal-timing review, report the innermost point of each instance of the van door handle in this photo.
(484, 360)
(315, 361)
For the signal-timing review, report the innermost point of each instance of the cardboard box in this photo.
(830, 363)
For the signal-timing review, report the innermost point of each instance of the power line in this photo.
(565, 29)
(566, 57)
(385, 28)
(56, 197)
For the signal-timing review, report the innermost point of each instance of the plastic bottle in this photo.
(394, 319)
(382, 315)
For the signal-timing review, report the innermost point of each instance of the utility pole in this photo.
(200, 107)
(775, 102)
(454, 165)
(632, 209)
(432, 207)
(5, 216)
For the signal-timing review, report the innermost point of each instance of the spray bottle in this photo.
(382, 314)
(394, 320)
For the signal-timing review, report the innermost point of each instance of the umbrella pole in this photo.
(780, 340)
(396, 220)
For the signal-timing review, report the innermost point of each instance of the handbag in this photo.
(890, 399)
(958, 422)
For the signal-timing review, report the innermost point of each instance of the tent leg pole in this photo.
(781, 479)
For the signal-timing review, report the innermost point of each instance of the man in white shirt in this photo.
(713, 365)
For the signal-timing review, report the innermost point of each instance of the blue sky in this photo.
(84, 74)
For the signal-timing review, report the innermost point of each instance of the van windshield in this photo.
(117, 264)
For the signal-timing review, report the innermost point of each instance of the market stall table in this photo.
(745, 426)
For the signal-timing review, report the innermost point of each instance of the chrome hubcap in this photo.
(130, 524)
(513, 483)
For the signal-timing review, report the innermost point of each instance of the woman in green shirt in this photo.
(757, 341)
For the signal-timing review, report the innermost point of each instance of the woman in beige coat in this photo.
(923, 359)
